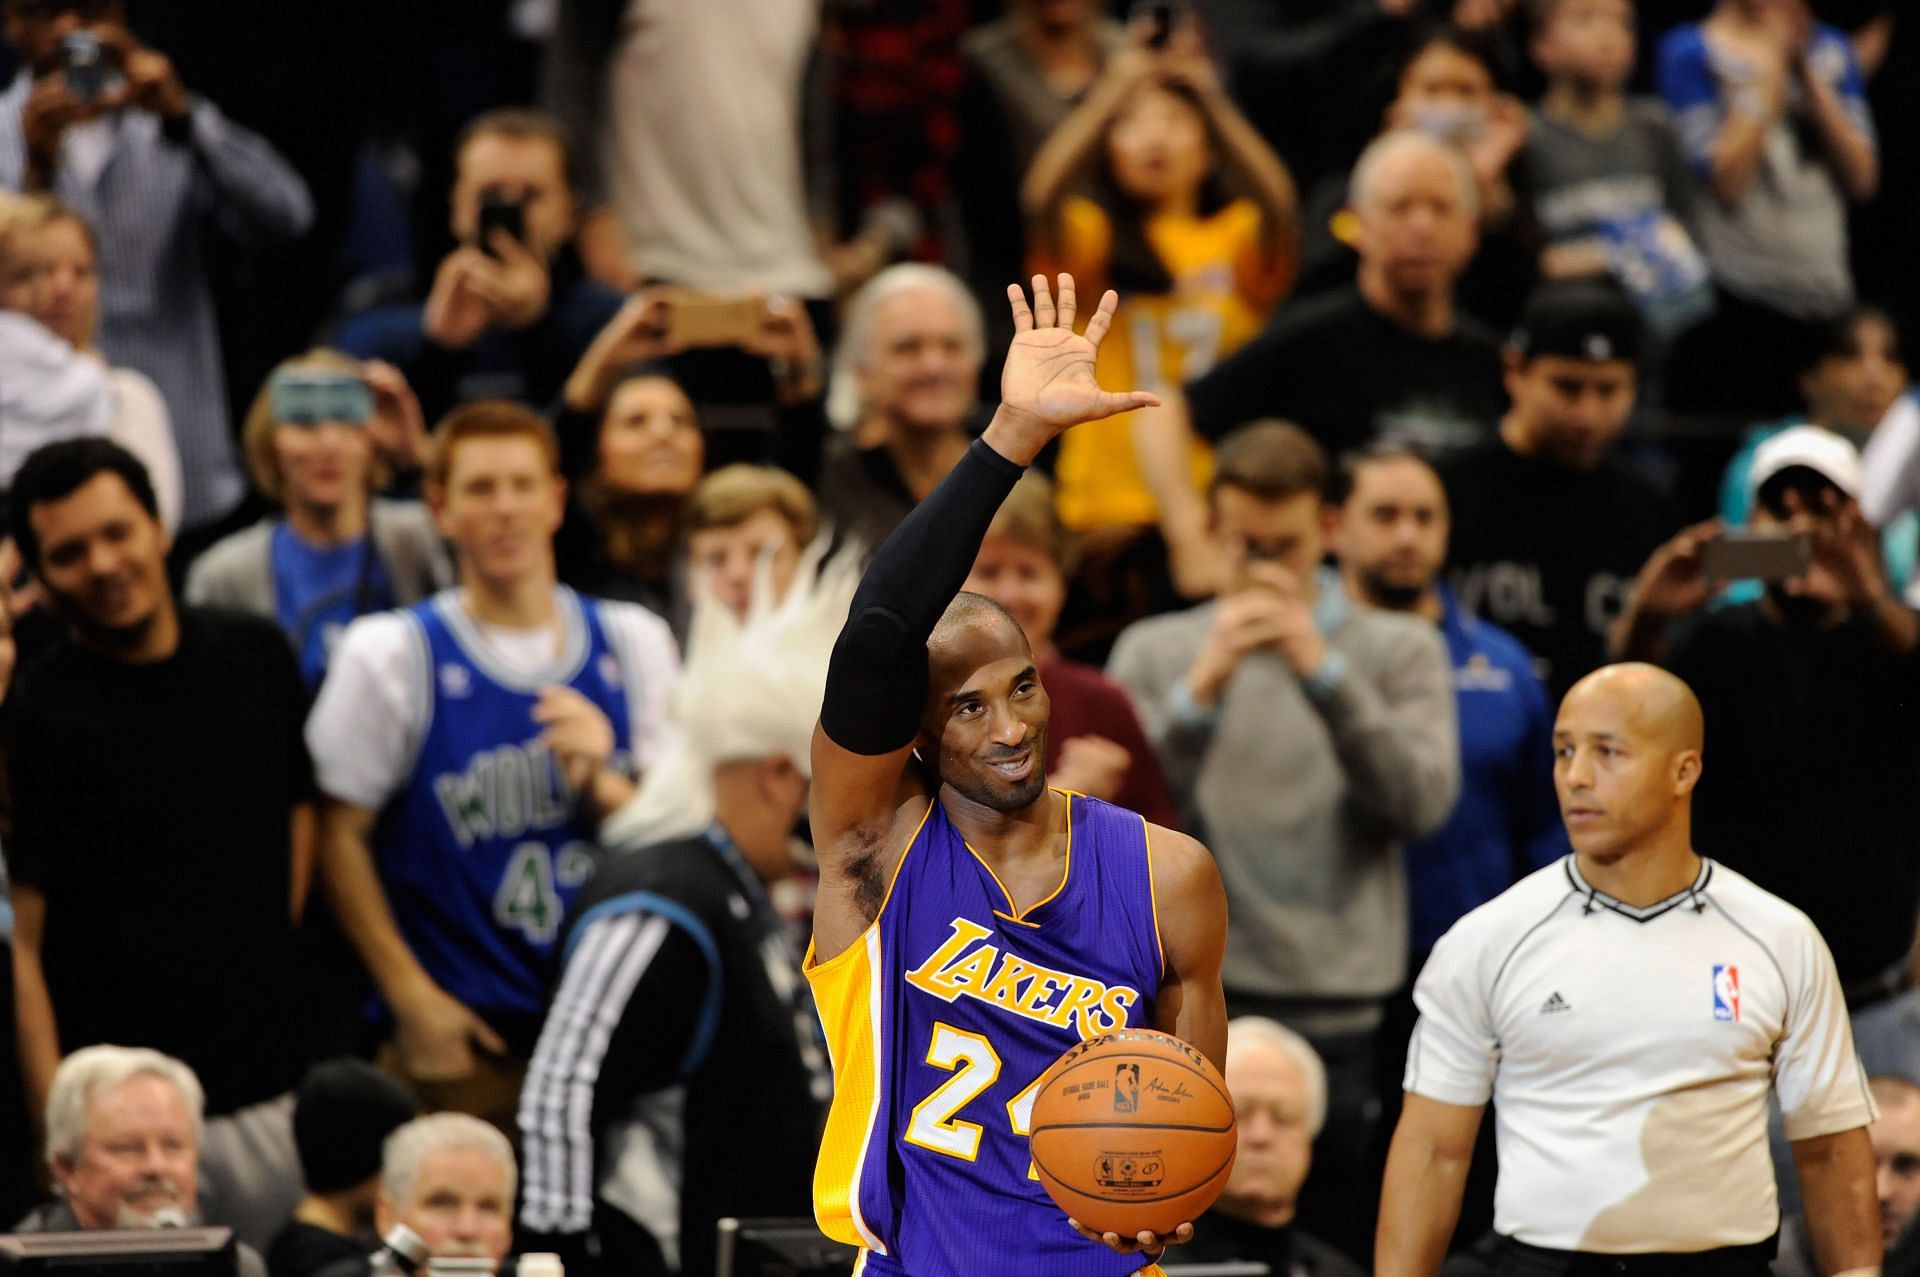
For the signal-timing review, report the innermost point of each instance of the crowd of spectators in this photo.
(426, 516)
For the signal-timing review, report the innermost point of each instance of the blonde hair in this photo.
(733, 494)
(1028, 517)
(256, 436)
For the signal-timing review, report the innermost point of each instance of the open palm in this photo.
(1048, 377)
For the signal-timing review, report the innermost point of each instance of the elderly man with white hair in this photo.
(901, 397)
(1279, 1089)
(681, 1076)
(124, 1126)
(450, 1178)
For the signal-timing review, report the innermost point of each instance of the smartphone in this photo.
(696, 319)
(85, 64)
(1160, 18)
(498, 213)
(1761, 556)
(308, 398)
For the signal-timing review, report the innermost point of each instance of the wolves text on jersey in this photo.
(504, 792)
(962, 966)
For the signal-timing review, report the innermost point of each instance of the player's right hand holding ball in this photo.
(1143, 1243)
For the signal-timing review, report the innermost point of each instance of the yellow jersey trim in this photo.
(1153, 894)
(1014, 912)
(809, 964)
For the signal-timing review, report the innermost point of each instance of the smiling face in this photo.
(103, 559)
(922, 361)
(500, 504)
(141, 1155)
(985, 725)
(650, 441)
(1023, 579)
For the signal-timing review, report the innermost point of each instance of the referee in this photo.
(1627, 1010)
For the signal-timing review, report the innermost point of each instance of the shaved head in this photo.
(1627, 747)
(1660, 707)
(985, 725)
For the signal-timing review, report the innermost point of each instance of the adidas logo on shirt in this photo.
(1555, 1003)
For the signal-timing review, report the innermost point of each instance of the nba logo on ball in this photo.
(1726, 993)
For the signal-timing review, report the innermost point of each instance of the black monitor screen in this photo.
(171, 1252)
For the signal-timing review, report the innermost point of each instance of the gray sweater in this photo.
(237, 571)
(1306, 796)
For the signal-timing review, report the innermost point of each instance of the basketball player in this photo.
(1627, 1010)
(973, 924)
(468, 747)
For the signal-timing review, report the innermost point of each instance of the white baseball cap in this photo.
(1831, 456)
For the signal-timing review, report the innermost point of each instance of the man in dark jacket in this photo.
(681, 1076)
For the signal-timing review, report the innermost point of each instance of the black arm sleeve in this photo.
(877, 679)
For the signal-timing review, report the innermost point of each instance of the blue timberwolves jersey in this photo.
(480, 852)
(941, 1019)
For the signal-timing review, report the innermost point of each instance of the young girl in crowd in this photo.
(1157, 186)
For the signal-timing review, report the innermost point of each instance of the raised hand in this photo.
(1674, 580)
(1048, 384)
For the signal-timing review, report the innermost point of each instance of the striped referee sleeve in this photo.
(556, 1105)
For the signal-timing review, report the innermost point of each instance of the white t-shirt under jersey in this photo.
(1628, 1054)
(367, 724)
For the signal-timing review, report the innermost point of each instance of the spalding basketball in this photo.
(1133, 1131)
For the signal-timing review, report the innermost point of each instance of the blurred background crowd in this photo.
(1496, 340)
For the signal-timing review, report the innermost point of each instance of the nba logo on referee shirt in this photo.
(1726, 993)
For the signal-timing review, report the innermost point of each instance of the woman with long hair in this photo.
(1157, 186)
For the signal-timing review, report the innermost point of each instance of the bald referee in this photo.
(1627, 1011)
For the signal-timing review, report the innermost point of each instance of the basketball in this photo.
(1133, 1131)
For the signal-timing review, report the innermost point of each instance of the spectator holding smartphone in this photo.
(324, 435)
(1189, 214)
(104, 122)
(510, 311)
(1814, 788)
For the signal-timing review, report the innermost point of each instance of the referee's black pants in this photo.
(1517, 1259)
